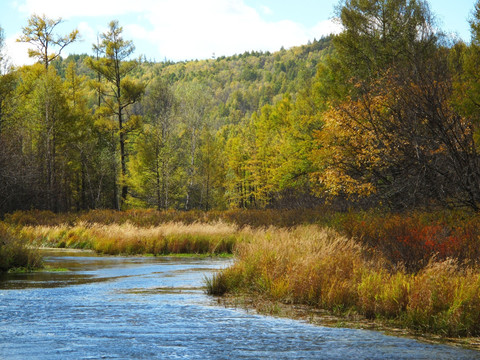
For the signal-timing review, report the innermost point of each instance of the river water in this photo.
(155, 308)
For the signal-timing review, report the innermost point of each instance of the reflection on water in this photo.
(155, 308)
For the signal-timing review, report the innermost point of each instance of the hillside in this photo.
(212, 104)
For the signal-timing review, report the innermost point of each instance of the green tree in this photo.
(156, 148)
(211, 169)
(40, 34)
(8, 80)
(121, 91)
(195, 106)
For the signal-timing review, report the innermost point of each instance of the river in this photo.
(155, 308)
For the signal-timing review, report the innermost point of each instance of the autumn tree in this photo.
(195, 106)
(47, 46)
(84, 146)
(155, 164)
(392, 131)
(7, 82)
(120, 91)
(40, 33)
(8, 79)
(211, 169)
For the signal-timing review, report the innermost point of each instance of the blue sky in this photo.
(197, 29)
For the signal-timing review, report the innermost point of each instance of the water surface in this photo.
(155, 308)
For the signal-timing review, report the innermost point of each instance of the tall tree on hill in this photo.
(195, 105)
(121, 91)
(156, 148)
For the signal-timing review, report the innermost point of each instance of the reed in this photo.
(14, 252)
(151, 217)
(126, 238)
(318, 267)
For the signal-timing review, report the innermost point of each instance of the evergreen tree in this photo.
(121, 92)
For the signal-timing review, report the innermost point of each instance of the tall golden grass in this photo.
(14, 252)
(126, 238)
(318, 267)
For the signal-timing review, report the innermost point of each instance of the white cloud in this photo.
(18, 52)
(326, 27)
(266, 10)
(186, 29)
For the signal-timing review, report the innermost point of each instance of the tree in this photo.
(381, 34)
(7, 82)
(8, 79)
(121, 91)
(40, 34)
(210, 170)
(156, 147)
(83, 146)
(195, 104)
(392, 131)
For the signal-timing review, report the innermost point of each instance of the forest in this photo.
(385, 114)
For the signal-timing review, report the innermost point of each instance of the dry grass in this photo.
(317, 267)
(14, 252)
(169, 238)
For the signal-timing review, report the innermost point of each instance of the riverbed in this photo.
(102, 307)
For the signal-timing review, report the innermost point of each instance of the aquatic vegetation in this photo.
(417, 270)
(14, 252)
(216, 285)
(320, 268)
(169, 238)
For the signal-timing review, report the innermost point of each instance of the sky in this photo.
(180, 30)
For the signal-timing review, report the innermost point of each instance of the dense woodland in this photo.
(385, 114)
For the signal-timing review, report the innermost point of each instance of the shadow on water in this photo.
(79, 267)
(68, 268)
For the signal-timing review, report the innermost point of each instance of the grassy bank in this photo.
(420, 271)
(318, 267)
(15, 252)
(129, 239)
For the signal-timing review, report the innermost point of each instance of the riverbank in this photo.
(419, 271)
(128, 239)
(321, 269)
(319, 317)
(15, 253)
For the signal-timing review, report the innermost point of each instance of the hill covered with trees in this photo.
(383, 114)
(60, 133)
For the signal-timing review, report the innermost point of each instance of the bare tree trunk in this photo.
(157, 180)
(123, 159)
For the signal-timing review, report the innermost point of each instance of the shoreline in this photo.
(321, 317)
